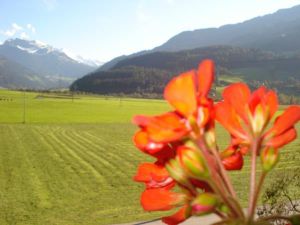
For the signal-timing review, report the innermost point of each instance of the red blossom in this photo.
(241, 109)
(234, 161)
(154, 176)
(160, 199)
(183, 143)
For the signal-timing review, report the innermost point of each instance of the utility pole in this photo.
(24, 107)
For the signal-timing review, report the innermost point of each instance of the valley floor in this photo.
(72, 162)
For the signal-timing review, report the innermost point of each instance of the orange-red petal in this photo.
(160, 199)
(271, 102)
(142, 141)
(287, 120)
(178, 217)
(229, 119)
(166, 128)
(205, 77)
(233, 162)
(141, 120)
(256, 98)
(163, 152)
(149, 171)
(238, 95)
(283, 139)
(181, 93)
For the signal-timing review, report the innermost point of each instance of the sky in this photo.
(104, 29)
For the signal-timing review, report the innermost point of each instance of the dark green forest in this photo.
(146, 75)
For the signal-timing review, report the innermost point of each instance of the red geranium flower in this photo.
(187, 93)
(246, 115)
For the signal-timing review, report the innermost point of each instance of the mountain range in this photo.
(278, 32)
(34, 61)
(263, 50)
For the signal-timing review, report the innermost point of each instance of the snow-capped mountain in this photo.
(80, 59)
(90, 62)
(30, 46)
(44, 60)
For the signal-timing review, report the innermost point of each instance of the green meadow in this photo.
(69, 160)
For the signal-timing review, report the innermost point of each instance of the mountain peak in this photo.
(40, 48)
(31, 46)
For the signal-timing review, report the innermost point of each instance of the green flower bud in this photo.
(193, 163)
(176, 171)
(269, 158)
(204, 203)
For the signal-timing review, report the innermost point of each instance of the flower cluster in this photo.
(183, 142)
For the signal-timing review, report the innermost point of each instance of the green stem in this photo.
(258, 188)
(215, 187)
(217, 183)
(226, 181)
(251, 207)
(224, 175)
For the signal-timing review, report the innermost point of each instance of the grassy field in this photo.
(72, 162)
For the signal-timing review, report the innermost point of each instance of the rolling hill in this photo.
(277, 32)
(148, 74)
(14, 75)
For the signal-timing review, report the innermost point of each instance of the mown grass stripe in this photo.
(85, 152)
(83, 162)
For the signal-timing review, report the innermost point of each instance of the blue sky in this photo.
(104, 29)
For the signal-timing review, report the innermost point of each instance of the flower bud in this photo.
(176, 171)
(234, 162)
(224, 208)
(193, 163)
(269, 158)
(204, 203)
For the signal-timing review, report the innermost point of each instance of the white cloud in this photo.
(50, 4)
(15, 28)
(23, 35)
(31, 28)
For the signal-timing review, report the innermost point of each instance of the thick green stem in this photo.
(219, 181)
(251, 206)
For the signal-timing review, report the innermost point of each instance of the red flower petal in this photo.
(166, 128)
(287, 120)
(283, 139)
(160, 199)
(229, 119)
(141, 120)
(181, 93)
(271, 101)
(205, 77)
(256, 98)
(142, 141)
(233, 162)
(179, 217)
(202, 185)
(238, 95)
(149, 171)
